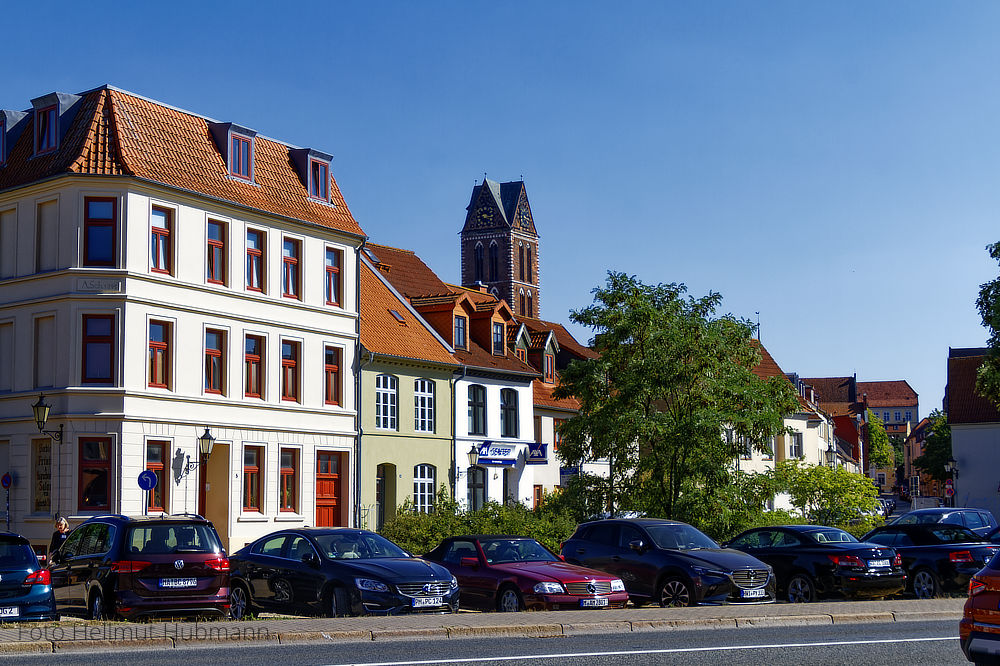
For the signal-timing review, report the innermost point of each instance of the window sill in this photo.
(252, 518)
(290, 518)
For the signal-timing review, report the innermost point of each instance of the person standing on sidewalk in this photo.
(62, 531)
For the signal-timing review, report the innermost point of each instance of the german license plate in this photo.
(10, 611)
(427, 602)
(594, 603)
(753, 594)
(174, 583)
(878, 563)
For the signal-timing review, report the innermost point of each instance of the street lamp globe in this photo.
(206, 443)
(473, 455)
(40, 410)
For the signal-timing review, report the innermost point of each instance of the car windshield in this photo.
(164, 538)
(679, 537)
(831, 535)
(500, 551)
(954, 534)
(350, 545)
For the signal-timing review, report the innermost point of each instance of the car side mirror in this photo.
(310, 559)
(637, 545)
(471, 562)
(562, 558)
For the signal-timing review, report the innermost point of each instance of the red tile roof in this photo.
(965, 405)
(408, 274)
(767, 367)
(384, 334)
(565, 339)
(896, 393)
(543, 398)
(118, 133)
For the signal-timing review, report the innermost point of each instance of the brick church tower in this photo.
(500, 245)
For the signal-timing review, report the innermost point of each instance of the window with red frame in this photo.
(289, 370)
(556, 424)
(100, 214)
(159, 354)
(98, 349)
(94, 479)
(254, 362)
(252, 465)
(498, 339)
(319, 180)
(537, 495)
(549, 368)
(289, 479)
(255, 260)
(239, 159)
(160, 224)
(156, 457)
(290, 268)
(45, 129)
(216, 260)
(332, 370)
(334, 259)
(215, 365)
(522, 355)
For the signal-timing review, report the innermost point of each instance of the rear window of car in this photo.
(16, 553)
(973, 520)
(949, 534)
(165, 538)
(831, 535)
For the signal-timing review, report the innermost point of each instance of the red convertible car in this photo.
(516, 573)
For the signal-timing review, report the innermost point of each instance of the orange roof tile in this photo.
(965, 405)
(543, 398)
(565, 339)
(408, 274)
(767, 367)
(896, 393)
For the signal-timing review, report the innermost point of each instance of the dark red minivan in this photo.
(128, 567)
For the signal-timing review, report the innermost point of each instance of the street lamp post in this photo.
(40, 412)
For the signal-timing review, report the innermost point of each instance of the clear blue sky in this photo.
(834, 166)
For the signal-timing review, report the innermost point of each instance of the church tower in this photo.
(500, 245)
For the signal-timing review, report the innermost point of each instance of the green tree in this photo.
(937, 447)
(670, 379)
(879, 448)
(825, 495)
(988, 304)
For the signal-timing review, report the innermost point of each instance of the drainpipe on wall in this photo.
(357, 385)
(361, 432)
(454, 433)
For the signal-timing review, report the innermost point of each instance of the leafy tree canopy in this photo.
(988, 304)
(937, 447)
(671, 378)
(828, 496)
(879, 449)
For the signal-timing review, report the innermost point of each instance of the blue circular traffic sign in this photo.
(5, 480)
(147, 479)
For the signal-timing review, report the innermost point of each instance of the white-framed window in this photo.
(386, 394)
(423, 405)
(898, 416)
(423, 488)
(909, 415)
(885, 417)
(795, 445)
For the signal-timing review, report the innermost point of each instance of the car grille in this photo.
(748, 578)
(587, 588)
(432, 589)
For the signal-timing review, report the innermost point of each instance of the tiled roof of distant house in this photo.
(565, 339)
(407, 272)
(897, 393)
(965, 405)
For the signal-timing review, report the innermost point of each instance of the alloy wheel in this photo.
(924, 585)
(675, 593)
(509, 601)
(800, 590)
(237, 603)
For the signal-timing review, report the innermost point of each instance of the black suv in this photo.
(119, 566)
(669, 563)
(979, 521)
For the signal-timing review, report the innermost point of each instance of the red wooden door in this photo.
(328, 489)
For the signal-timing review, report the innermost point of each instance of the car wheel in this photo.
(925, 584)
(675, 592)
(338, 604)
(801, 589)
(239, 602)
(95, 610)
(509, 600)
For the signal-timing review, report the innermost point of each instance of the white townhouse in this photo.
(164, 277)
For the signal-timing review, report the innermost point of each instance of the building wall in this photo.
(976, 449)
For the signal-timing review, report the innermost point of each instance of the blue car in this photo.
(25, 587)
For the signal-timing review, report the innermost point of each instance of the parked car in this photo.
(978, 631)
(811, 561)
(336, 571)
(516, 573)
(979, 521)
(120, 566)
(937, 558)
(25, 587)
(669, 563)
(994, 535)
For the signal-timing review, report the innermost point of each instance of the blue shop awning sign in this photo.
(497, 455)
(536, 453)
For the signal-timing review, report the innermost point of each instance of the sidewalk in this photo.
(80, 635)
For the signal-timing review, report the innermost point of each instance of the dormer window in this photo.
(240, 156)
(45, 129)
(236, 144)
(498, 339)
(319, 180)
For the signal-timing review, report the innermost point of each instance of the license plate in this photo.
(10, 611)
(178, 582)
(593, 603)
(753, 594)
(426, 602)
(878, 563)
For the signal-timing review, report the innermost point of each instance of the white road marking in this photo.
(720, 648)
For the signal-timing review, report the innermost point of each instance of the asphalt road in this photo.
(863, 644)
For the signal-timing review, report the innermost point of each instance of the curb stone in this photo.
(854, 618)
(287, 637)
(402, 634)
(84, 645)
(596, 628)
(783, 621)
(26, 647)
(706, 623)
(527, 630)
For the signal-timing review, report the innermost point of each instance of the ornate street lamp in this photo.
(40, 412)
(473, 455)
(205, 445)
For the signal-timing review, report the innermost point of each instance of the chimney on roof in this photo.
(385, 268)
(481, 286)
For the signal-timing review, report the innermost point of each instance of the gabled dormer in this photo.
(520, 341)
(237, 144)
(314, 171)
(12, 123)
(53, 114)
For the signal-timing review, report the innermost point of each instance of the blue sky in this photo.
(831, 165)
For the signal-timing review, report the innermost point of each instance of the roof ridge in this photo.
(390, 247)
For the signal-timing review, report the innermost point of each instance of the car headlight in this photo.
(371, 585)
(454, 583)
(617, 585)
(703, 571)
(549, 588)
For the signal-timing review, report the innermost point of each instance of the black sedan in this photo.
(669, 563)
(810, 561)
(336, 572)
(937, 558)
